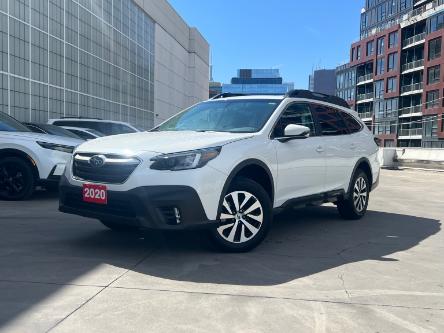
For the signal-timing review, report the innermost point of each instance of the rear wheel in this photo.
(245, 217)
(16, 179)
(355, 206)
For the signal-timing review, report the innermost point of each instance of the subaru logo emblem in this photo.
(97, 161)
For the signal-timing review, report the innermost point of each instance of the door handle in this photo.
(353, 146)
(320, 149)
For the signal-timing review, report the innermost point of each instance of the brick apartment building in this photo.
(395, 77)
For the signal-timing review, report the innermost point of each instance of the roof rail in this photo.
(226, 95)
(318, 97)
(79, 117)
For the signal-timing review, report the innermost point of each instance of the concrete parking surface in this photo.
(315, 272)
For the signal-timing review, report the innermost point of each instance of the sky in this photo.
(292, 35)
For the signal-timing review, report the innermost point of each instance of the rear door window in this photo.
(330, 121)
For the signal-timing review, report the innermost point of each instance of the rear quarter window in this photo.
(353, 125)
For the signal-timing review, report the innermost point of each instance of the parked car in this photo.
(52, 130)
(107, 127)
(29, 159)
(224, 165)
(84, 133)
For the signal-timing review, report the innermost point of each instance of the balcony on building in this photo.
(414, 34)
(412, 66)
(364, 79)
(410, 111)
(365, 111)
(365, 98)
(415, 88)
(364, 73)
(410, 133)
(366, 116)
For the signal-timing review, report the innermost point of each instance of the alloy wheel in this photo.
(12, 179)
(241, 217)
(360, 194)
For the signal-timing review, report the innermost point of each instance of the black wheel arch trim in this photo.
(357, 165)
(12, 152)
(235, 172)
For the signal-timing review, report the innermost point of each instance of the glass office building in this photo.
(83, 58)
(258, 81)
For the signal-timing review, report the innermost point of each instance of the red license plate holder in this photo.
(94, 193)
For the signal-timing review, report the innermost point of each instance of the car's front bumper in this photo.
(166, 207)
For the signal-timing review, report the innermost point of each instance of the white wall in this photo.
(181, 70)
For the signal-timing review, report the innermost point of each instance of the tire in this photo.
(119, 227)
(355, 206)
(17, 180)
(243, 225)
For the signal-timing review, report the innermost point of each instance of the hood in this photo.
(31, 136)
(160, 142)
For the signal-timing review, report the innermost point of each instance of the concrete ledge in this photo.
(421, 158)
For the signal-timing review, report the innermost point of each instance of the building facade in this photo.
(129, 60)
(258, 81)
(323, 81)
(398, 85)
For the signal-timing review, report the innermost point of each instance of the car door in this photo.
(301, 162)
(338, 144)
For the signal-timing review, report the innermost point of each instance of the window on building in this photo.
(435, 48)
(391, 107)
(393, 38)
(380, 66)
(433, 74)
(432, 99)
(370, 48)
(379, 89)
(358, 53)
(389, 143)
(431, 127)
(353, 54)
(391, 84)
(436, 22)
(392, 61)
(380, 46)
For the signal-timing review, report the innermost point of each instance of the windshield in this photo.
(236, 116)
(9, 124)
(56, 130)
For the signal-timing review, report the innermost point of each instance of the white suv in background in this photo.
(107, 127)
(28, 159)
(224, 165)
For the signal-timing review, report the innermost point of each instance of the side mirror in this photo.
(292, 132)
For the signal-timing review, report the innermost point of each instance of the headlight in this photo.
(186, 160)
(55, 146)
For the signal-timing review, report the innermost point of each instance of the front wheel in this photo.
(245, 217)
(16, 179)
(355, 206)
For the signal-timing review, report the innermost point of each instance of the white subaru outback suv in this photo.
(225, 165)
(28, 159)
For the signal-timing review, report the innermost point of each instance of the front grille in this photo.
(114, 207)
(116, 169)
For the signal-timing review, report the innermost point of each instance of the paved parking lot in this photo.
(315, 272)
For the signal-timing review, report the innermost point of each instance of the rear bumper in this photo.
(150, 207)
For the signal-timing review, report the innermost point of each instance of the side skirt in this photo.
(313, 200)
